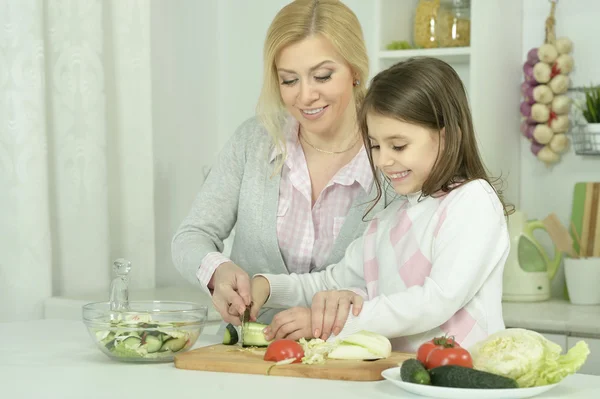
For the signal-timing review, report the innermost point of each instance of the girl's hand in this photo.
(330, 311)
(293, 323)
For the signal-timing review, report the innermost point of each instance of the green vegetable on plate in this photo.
(527, 357)
(454, 376)
(412, 370)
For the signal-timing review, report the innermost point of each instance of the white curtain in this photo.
(76, 162)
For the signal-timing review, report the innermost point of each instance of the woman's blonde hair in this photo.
(297, 21)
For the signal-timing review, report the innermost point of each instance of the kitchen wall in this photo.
(185, 81)
(243, 29)
(549, 189)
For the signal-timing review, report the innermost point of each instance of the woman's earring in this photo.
(356, 82)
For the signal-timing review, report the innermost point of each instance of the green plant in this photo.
(591, 106)
(399, 45)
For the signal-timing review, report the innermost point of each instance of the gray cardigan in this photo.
(242, 190)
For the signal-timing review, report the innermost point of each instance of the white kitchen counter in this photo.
(57, 359)
(555, 316)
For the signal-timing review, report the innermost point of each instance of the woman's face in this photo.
(316, 85)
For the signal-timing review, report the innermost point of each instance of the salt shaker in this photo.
(119, 287)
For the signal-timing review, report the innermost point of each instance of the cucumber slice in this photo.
(254, 336)
(105, 336)
(173, 345)
(230, 337)
(132, 342)
(110, 345)
(153, 344)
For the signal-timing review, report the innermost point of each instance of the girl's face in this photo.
(316, 85)
(404, 152)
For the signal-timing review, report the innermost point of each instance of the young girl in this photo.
(429, 264)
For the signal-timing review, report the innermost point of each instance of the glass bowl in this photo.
(149, 331)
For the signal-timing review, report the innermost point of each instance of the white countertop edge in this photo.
(554, 316)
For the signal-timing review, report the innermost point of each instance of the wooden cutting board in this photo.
(585, 215)
(234, 359)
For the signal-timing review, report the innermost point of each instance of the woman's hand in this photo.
(231, 293)
(293, 323)
(261, 289)
(330, 310)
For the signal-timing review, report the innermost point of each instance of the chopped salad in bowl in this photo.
(148, 331)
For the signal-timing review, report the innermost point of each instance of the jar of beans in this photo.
(425, 24)
(454, 23)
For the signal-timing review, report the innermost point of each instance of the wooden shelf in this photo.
(456, 55)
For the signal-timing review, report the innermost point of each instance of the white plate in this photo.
(393, 375)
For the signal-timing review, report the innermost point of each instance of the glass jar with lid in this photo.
(425, 24)
(454, 23)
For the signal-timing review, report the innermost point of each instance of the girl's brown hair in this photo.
(428, 92)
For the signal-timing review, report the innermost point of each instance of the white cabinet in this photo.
(487, 69)
(592, 365)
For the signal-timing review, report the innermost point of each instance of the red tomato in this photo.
(283, 349)
(443, 351)
(436, 343)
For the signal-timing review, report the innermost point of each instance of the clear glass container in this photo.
(454, 23)
(142, 331)
(148, 331)
(425, 24)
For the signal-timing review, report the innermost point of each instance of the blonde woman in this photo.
(295, 181)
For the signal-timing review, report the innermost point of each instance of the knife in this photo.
(245, 321)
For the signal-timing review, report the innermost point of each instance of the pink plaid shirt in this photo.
(306, 236)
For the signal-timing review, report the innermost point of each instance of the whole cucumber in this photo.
(464, 377)
(414, 371)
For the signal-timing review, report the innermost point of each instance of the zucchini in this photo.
(464, 377)
(254, 336)
(230, 337)
(414, 371)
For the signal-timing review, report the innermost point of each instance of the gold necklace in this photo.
(329, 152)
